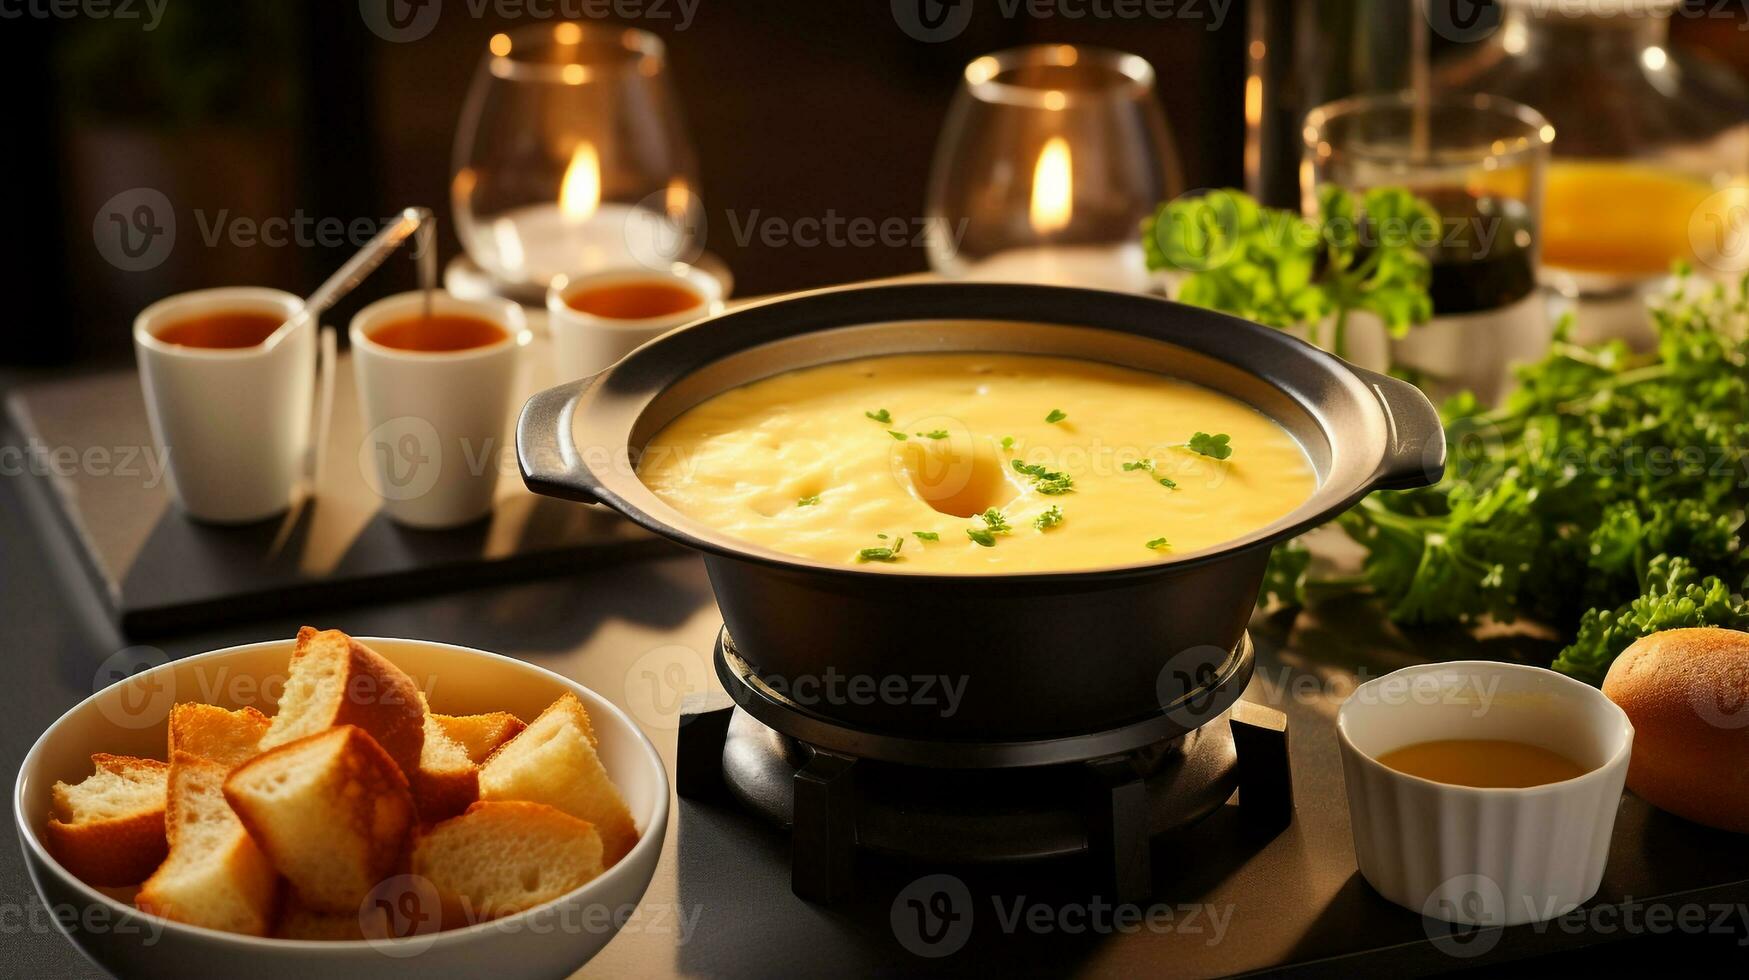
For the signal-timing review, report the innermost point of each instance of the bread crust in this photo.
(554, 761)
(448, 781)
(374, 695)
(353, 816)
(480, 862)
(480, 734)
(1686, 691)
(230, 887)
(118, 851)
(229, 738)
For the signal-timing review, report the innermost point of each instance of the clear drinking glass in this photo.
(571, 157)
(1481, 162)
(1051, 157)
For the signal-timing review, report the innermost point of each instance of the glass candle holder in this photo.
(1481, 162)
(571, 157)
(1051, 157)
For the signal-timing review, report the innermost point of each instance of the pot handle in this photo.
(1415, 454)
(545, 451)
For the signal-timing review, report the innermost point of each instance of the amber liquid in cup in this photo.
(439, 333)
(220, 331)
(634, 300)
(1490, 763)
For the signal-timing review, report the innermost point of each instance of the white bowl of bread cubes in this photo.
(342, 808)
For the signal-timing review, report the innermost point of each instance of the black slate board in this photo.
(91, 478)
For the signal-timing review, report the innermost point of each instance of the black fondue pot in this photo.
(1033, 655)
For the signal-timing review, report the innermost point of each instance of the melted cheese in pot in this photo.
(795, 463)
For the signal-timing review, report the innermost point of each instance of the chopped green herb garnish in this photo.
(897, 435)
(1057, 415)
(927, 535)
(994, 523)
(1047, 482)
(1214, 447)
(1147, 465)
(883, 552)
(1007, 443)
(1160, 544)
(1049, 519)
(808, 501)
(934, 434)
(883, 416)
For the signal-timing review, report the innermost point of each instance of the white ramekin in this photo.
(1483, 856)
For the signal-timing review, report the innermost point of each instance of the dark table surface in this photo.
(720, 903)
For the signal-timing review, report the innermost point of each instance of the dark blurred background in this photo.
(268, 108)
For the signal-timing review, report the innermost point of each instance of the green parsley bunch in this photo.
(1606, 497)
(1281, 270)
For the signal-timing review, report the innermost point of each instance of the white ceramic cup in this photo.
(1483, 856)
(585, 344)
(434, 420)
(235, 422)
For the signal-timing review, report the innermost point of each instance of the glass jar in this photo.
(1480, 161)
(1651, 146)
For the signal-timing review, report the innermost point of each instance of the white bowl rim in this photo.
(1618, 759)
(646, 841)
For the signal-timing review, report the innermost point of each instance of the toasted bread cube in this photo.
(448, 781)
(331, 811)
(215, 876)
(500, 858)
(229, 738)
(553, 761)
(335, 680)
(481, 734)
(108, 829)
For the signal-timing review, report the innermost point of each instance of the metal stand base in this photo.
(1106, 809)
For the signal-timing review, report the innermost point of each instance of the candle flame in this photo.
(1053, 180)
(580, 191)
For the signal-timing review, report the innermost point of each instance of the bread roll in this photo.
(1687, 693)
